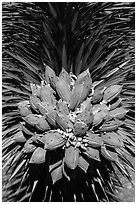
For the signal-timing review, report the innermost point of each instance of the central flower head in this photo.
(70, 113)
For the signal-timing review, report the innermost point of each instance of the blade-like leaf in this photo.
(18, 169)
(64, 57)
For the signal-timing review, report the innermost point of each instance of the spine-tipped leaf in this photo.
(93, 140)
(34, 103)
(64, 122)
(63, 90)
(112, 139)
(38, 156)
(115, 104)
(111, 125)
(112, 92)
(97, 96)
(46, 95)
(26, 130)
(92, 153)
(75, 96)
(51, 117)
(50, 77)
(31, 119)
(51, 140)
(42, 124)
(45, 108)
(71, 157)
(118, 113)
(19, 137)
(56, 174)
(62, 107)
(83, 164)
(29, 147)
(65, 76)
(86, 116)
(24, 108)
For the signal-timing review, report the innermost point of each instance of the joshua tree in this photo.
(68, 100)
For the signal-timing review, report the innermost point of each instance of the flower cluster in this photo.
(75, 115)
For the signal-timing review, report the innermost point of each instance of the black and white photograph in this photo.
(68, 101)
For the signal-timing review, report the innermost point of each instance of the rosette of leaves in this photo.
(68, 100)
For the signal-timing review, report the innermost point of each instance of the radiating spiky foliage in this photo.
(47, 155)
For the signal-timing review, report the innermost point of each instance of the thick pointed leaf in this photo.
(118, 113)
(109, 155)
(92, 153)
(56, 174)
(65, 75)
(51, 140)
(93, 140)
(71, 157)
(112, 139)
(38, 156)
(83, 164)
(55, 165)
(64, 172)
